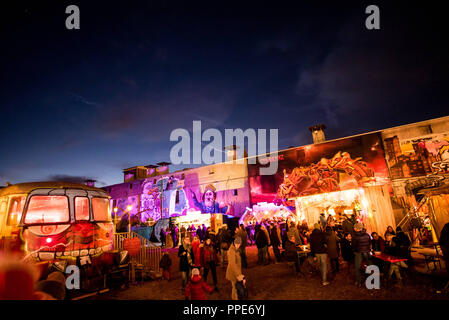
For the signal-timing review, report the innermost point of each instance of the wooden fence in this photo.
(149, 255)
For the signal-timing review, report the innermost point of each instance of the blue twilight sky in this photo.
(87, 103)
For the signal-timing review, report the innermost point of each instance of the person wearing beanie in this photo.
(318, 248)
(197, 288)
(361, 244)
(234, 265)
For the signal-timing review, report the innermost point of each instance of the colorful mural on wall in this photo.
(173, 200)
(420, 156)
(334, 166)
(168, 194)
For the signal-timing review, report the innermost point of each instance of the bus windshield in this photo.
(47, 209)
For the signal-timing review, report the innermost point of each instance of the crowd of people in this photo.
(339, 242)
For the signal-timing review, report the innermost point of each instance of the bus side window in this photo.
(15, 211)
(2, 216)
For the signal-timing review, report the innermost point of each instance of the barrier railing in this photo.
(149, 255)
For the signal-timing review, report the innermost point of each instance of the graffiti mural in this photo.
(167, 194)
(421, 156)
(327, 167)
(209, 203)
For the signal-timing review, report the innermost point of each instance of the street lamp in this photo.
(128, 209)
(115, 219)
(162, 164)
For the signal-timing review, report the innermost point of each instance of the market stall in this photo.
(196, 218)
(266, 210)
(371, 205)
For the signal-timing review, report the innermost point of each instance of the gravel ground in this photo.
(279, 282)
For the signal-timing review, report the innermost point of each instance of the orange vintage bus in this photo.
(50, 221)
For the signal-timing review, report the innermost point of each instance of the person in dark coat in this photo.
(275, 242)
(402, 244)
(291, 253)
(332, 249)
(346, 250)
(361, 244)
(165, 265)
(262, 246)
(318, 248)
(186, 260)
(197, 288)
(378, 244)
(347, 226)
(240, 286)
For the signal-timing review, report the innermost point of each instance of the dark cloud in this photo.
(73, 179)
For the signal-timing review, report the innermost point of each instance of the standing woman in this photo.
(234, 265)
(209, 261)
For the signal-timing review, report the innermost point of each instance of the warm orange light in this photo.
(115, 209)
(129, 207)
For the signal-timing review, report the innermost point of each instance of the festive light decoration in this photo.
(266, 210)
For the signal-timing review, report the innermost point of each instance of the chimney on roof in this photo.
(90, 183)
(318, 133)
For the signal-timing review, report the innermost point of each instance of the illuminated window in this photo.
(15, 211)
(47, 209)
(100, 207)
(82, 208)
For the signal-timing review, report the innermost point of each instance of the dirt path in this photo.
(279, 282)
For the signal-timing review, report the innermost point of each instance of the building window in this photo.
(130, 185)
(235, 192)
(15, 210)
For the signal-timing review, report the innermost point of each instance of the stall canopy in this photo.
(266, 210)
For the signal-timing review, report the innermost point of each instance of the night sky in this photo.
(88, 103)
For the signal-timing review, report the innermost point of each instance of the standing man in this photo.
(234, 265)
(318, 248)
(173, 235)
(361, 244)
(275, 242)
(183, 232)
